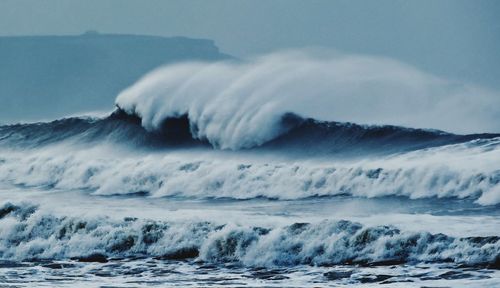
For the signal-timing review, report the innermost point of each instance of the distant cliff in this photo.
(45, 77)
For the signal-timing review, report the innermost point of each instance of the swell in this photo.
(311, 136)
(29, 233)
(303, 136)
(117, 127)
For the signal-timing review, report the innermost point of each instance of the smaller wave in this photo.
(29, 233)
(467, 170)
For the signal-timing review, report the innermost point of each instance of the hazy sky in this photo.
(457, 39)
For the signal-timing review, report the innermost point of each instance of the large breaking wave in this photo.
(28, 233)
(304, 136)
(237, 105)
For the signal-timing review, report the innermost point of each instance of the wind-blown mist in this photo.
(240, 104)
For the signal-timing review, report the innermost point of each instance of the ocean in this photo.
(195, 191)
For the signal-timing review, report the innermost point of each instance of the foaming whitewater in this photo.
(29, 234)
(469, 170)
(241, 104)
(291, 169)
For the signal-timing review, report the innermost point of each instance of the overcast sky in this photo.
(456, 39)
